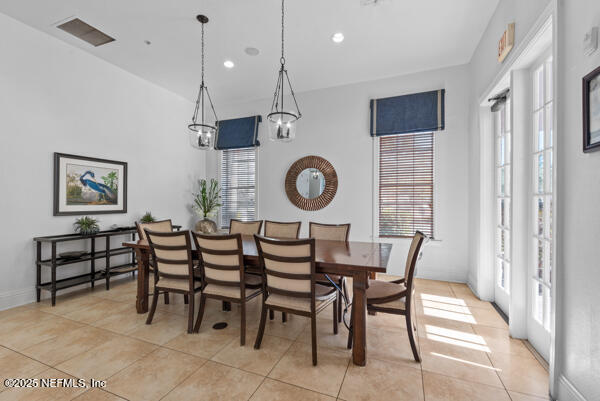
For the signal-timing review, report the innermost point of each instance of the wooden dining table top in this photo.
(353, 255)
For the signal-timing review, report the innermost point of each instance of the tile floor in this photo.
(466, 351)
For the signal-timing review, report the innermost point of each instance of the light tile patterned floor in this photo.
(466, 351)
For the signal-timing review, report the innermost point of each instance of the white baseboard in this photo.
(441, 275)
(14, 298)
(567, 391)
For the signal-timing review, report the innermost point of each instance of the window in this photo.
(542, 205)
(406, 184)
(237, 172)
(503, 195)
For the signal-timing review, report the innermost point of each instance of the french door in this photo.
(503, 193)
(541, 253)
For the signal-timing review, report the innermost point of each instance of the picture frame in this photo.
(591, 111)
(89, 185)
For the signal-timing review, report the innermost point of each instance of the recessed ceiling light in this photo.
(251, 51)
(337, 37)
(228, 64)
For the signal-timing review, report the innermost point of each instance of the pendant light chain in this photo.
(201, 92)
(202, 47)
(282, 59)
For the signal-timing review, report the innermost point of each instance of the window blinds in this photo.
(238, 185)
(406, 184)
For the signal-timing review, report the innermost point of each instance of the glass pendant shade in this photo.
(202, 136)
(282, 126)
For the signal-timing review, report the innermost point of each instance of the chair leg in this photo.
(336, 302)
(261, 327)
(271, 314)
(190, 313)
(351, 331)
(166, 298)
(200, 313)
(411, 337)
(283, 317)
(153, 307)
(313, 330)
(342, 285)
(186, 299)
(243, 325)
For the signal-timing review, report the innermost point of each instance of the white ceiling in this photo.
(393, 37)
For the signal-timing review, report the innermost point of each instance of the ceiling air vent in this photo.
(83, 31)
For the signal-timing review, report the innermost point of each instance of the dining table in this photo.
(355, 259)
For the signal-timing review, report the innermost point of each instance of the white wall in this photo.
(56, 98)
(335, 125)
(578, 214)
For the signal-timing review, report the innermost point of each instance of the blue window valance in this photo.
(418, 112)
(238, 133)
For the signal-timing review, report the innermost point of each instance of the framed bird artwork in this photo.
(87, 185)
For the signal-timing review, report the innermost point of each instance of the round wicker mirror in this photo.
(311, 183)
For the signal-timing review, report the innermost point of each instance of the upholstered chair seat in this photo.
(323, 295)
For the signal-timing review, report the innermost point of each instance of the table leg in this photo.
(359, 306)
(141, 303)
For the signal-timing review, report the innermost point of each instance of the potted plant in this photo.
(206, 202)
(86, 225)
(147, 218)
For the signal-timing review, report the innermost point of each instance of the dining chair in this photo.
(245, 227)
(282, 230)
(331, 232)
(162, 226)
(174, 268)
(289, 283)
(396, 297)
(221, 262)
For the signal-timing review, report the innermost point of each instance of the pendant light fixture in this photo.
(282, 122)
(202, 133)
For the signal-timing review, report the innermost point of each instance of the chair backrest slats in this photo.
(172, 254)
(332, 232)
(288, 266)
(275, 229)
(221, 259)
(245, 227)
(162, 226)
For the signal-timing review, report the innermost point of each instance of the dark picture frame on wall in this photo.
(591, 111)
(88, 185)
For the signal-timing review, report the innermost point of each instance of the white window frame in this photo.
(256, 182)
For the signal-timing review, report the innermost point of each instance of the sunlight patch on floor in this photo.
(479, 365)
(442, 299)
(460, 317)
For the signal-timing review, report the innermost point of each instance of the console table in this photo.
(54, 261)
